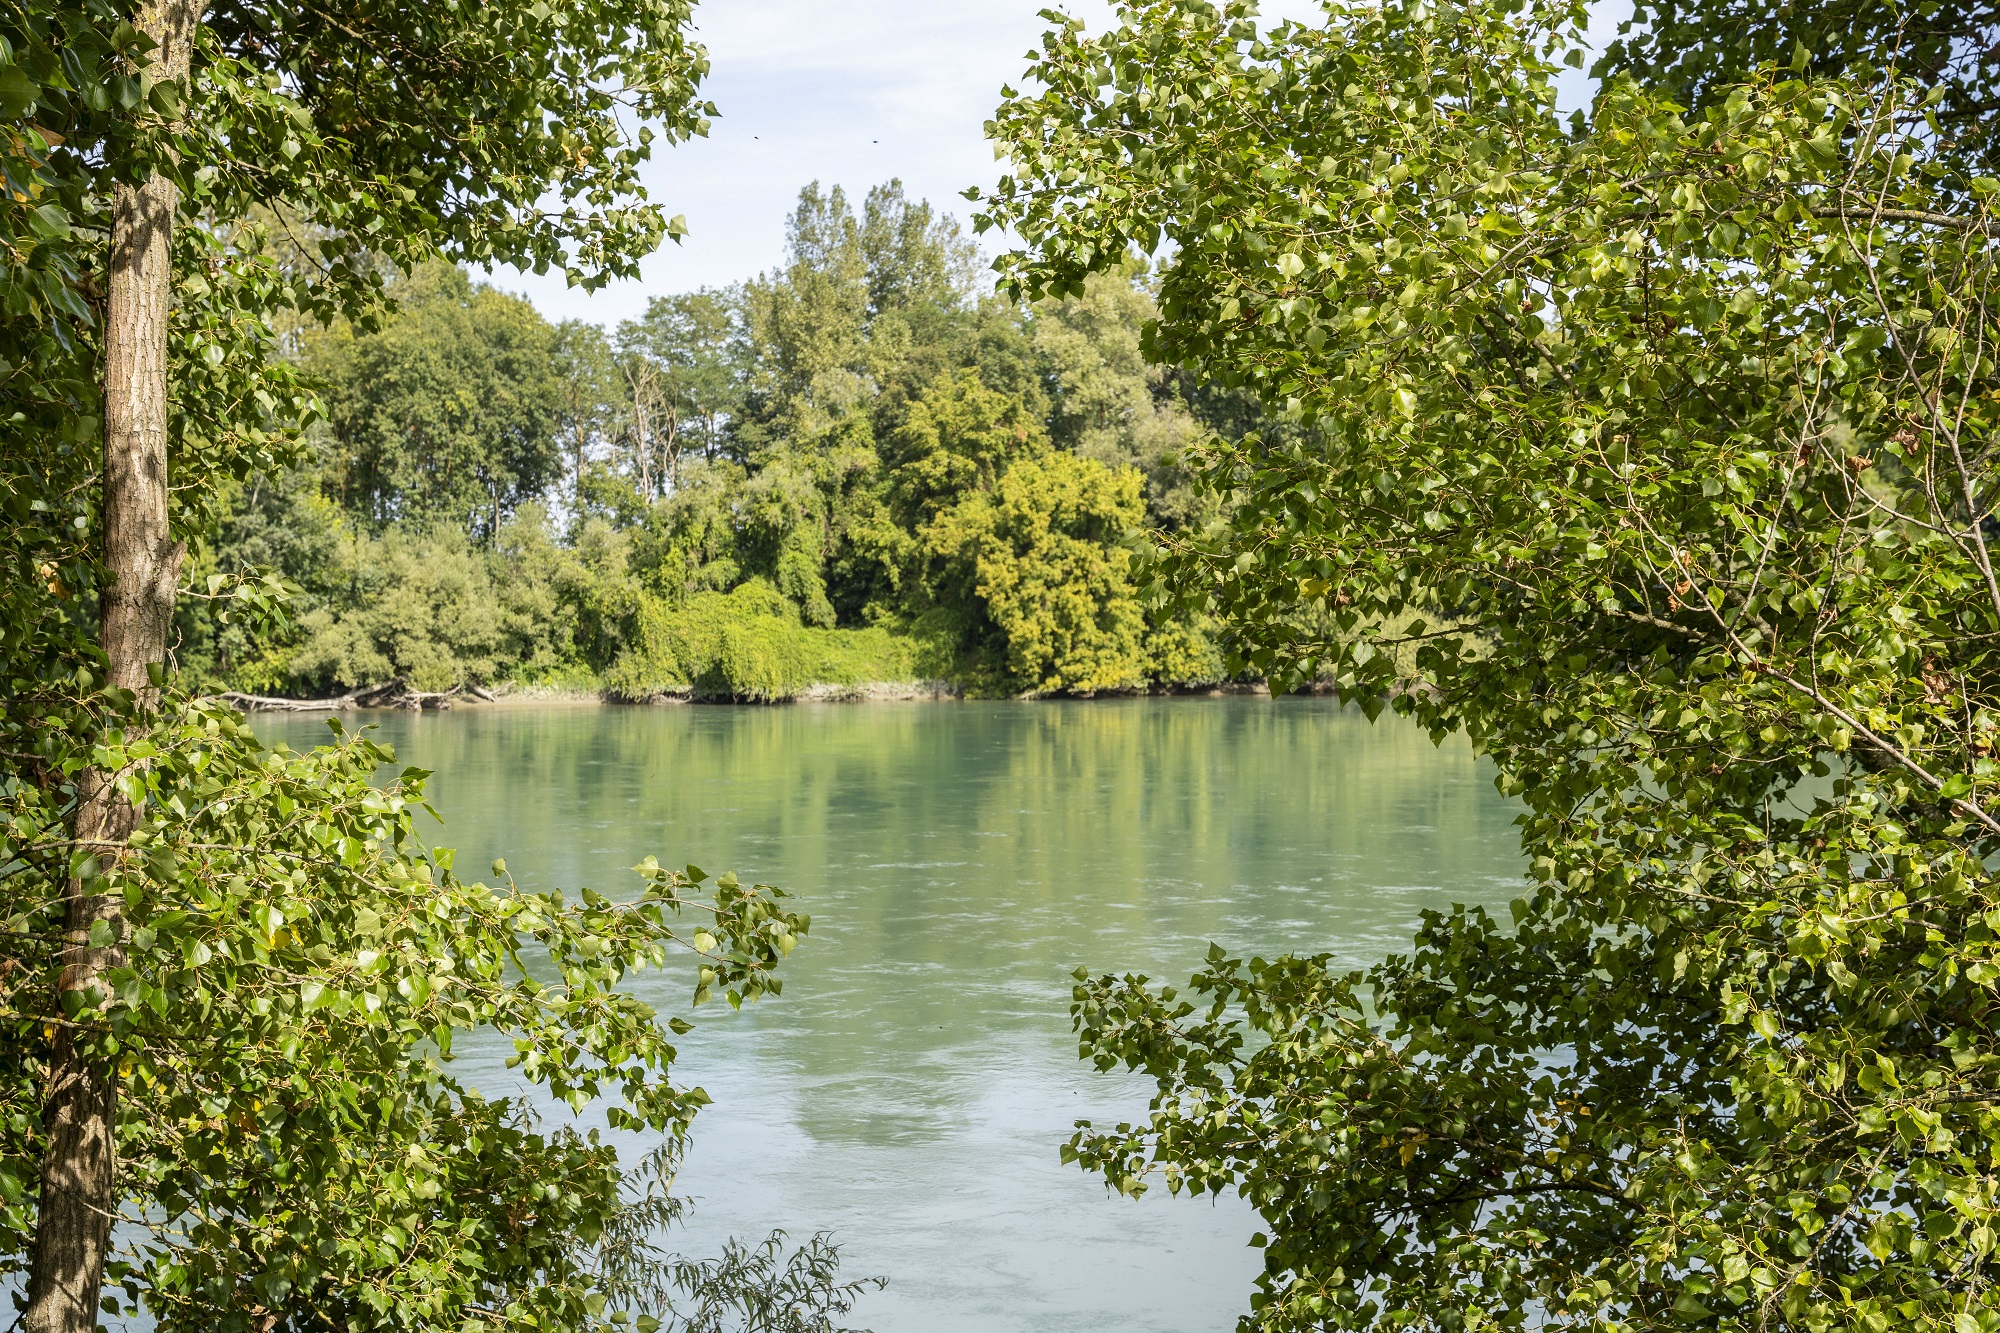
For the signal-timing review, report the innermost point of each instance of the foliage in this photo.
(1697, 50)
(281, 902)
(447, 414)
(748, 644)
(806, 430)
(746, 1289)
(1114, 407)
(683, 354)
(762, 1289)
(423, 608)
(1044, 553)
(1656, 456)
(496, 133)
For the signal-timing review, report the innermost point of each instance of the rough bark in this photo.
(79, 1193)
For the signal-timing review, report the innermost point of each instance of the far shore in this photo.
(385, 698)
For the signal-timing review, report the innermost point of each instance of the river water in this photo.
(909, 1090)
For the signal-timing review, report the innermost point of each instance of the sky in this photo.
(846, 92)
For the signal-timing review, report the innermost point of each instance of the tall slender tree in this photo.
(142, 561)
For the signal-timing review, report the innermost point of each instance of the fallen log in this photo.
(394, 693)
(265, 703)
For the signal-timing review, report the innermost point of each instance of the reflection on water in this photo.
(910, 1088)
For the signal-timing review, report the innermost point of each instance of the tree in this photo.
(151, 848)
(1046, 558)
(135, 607)
(862, 303)
(694, 341)
(1109, 403)
(1656, 456)
(586, 368)
(452, 412)
(1697, 50)
(808, 324)
(1015, 554)
(914, 257)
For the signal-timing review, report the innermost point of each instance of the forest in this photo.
(858, 468)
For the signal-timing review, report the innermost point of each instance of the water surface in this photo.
(910, 1088)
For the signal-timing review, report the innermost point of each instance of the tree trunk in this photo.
(79, 1194)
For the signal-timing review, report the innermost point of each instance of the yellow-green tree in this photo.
(1046, 555)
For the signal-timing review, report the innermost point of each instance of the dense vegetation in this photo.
(231, 978)
(855, 468)
(1655, 451)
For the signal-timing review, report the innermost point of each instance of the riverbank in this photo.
(391, 696)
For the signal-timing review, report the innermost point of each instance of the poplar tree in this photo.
(1653, 451)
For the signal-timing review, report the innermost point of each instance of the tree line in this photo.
(857, 467)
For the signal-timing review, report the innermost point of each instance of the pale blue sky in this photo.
(847, 92)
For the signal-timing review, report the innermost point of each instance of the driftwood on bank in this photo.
(396, 693)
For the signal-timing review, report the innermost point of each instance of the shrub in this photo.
(423, 607)
(748, 644)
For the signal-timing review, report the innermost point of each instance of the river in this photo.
(909, 1090)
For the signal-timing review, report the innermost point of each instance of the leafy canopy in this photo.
(1655, 454)
(1697, 50)
(447, 415)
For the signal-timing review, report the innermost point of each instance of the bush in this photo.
(1182, 651)
(748, 644)
(423, 607)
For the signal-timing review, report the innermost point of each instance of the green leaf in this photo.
(18, 92)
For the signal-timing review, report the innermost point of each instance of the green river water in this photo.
(910, 1088)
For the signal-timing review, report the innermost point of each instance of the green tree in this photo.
(418, 603)
(807, 324)
(1014, 557)
(695, 343)
(914, 256)
(566, 606)
(589, 399)
(452, 412)
(1655, 455)
(1109, 403)
(1046, 557)
(231, 974)
(957, 438)
(864, 304)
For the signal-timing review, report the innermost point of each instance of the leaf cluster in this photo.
(296, 970)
